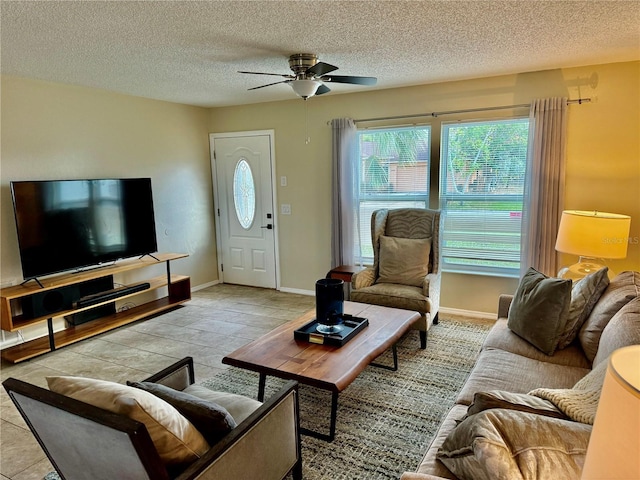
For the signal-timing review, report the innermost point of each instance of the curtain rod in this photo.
(579, 101)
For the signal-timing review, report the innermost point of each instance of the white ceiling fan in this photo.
(310, 76)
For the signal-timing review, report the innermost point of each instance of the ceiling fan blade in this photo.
(284, 75)
(322, 89)
(320, 68)
(349, 79)
(269, 84)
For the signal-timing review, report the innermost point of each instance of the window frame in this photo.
(413, 199)
(444, 197)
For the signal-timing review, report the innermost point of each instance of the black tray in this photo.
(350, 327)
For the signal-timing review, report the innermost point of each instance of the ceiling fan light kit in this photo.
(310, 76)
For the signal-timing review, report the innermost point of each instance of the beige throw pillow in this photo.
(175, 438)
(403, 260)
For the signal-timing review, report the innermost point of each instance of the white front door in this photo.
(242, 166)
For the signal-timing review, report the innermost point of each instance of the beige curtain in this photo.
(544, 185)
(344, 211)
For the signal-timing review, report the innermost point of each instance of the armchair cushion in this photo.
(393, 295)
(404, 261)
(175, 438)
(239, 406)
(212, 420)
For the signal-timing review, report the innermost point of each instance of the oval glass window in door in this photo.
(244, 194)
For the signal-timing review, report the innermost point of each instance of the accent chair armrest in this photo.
(177, 376)
(504, 302)
(431, 290)
(364, 278)
(265, 445)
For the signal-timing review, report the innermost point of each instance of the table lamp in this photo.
(614, 445)
(593, 236)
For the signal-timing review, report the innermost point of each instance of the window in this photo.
(482, 170)
(394, 173)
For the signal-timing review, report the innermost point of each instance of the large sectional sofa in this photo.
(513, 442)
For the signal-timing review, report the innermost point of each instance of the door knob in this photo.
(268, 226)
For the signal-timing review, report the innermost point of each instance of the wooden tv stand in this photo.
(12, 317)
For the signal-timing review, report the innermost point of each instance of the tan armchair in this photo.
(417, 288)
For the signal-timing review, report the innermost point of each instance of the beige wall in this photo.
(57, 131)
(54, 131)
(603, 157)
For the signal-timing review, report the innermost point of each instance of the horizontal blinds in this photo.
(483, 168)
(394, 173)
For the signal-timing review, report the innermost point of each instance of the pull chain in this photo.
(307, 139)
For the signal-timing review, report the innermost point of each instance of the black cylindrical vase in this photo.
(329, 304)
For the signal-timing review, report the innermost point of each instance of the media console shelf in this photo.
(55, 301)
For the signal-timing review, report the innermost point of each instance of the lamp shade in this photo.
(614, 445)
(593, 234)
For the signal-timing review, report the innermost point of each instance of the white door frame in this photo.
(276, 222)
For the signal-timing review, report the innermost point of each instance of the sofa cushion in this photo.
(622, 289)
(507, 444)
(239, 406)
(584, 295)
(175, 438)
(504, 339)
(521, 402)
(211, 420)
(403, 260)
(580, 402)
(539, 310)
(621, 331)
(501, 370)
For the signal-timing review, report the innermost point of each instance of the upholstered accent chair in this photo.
(84, 441)
(406, 265)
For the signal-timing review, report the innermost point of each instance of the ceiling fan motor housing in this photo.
(300, 62)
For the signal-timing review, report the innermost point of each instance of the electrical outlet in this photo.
(285, 209)
(283, 181)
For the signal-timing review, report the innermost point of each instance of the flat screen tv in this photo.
(71, 224)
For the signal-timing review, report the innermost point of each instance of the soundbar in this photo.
(110, 295)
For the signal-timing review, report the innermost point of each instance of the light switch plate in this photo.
(285, 209)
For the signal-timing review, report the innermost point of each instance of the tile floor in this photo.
(215, 322)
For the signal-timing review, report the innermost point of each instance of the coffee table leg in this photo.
(261, 384)
(332, 425)
(394, 349)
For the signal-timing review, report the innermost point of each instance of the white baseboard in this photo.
(298, 291)
(466, 313)
(205, 285)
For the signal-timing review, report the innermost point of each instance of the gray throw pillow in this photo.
(584, 295)
(209, 418)
(539, 310)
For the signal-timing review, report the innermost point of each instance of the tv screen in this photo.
(70, 224)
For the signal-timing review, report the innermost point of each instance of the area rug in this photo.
(386, 419)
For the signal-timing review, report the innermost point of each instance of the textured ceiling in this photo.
(190, 51)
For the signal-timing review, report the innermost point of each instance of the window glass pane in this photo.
(394, 173)
(244, 194)
(481, 193)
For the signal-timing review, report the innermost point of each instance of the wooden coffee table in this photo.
(326, 367)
